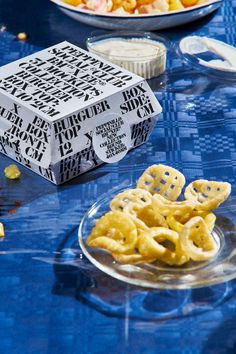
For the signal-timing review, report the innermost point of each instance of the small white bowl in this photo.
(147, 66)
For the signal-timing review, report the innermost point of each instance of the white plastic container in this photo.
(142, 53)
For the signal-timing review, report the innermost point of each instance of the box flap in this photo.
(62, 79)
(51, 101)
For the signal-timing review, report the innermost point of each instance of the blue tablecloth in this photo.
(51, 299)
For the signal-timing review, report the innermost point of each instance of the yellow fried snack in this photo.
(162, 243)
(132, 210)
(151, 218)
(134, 258)
(185, 217)
(115, 232)
(2, 233)
(134, 197)
(197, 241)
(149, 224)
(207, 195)
(210, 220)
(12, 172)
(175, 221)
(144, 216)
(163, 180)
(147, 244)
(165, 207)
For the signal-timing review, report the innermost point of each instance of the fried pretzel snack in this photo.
(115, 232)
(150, 217)
(207, 195)
(163, 244)
(165, 207)
(163, 180)
(144, 217)
(131, 197)
(174, 221)
(197, 241)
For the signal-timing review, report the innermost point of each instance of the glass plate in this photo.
(156, 275)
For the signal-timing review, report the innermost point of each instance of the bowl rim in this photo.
(71, 8)
(97, 37)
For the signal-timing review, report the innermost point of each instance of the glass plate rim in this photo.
(133, 281)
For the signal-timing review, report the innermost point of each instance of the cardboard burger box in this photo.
(64, 111)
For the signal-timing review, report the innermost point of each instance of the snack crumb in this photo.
(12, 211)
(22, 36)
(12, 172)
(2, 233)
(3, 28)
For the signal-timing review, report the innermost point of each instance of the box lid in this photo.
(59, 96)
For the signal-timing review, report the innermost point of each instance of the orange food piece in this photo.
(188, 3)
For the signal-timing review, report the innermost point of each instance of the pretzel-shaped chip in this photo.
(163, 244)
(176, 257)
(186, 217)
(148, 246)
(197, 241)
(210, 220)
(174, 221)
(165, 207)
(163, 180)
(132, 210)
(120, 224)
(207, 195)
(134, 258)
(144, 217)
(150, 217)
(134, 197)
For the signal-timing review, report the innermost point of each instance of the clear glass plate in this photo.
(156, 275)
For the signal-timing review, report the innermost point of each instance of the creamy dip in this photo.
(129, 49)
(195, 45)
(143, 57)
(227, 52)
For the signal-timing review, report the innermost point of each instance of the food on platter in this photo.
(149, 223)
(127, 7)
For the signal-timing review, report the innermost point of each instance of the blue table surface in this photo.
(51, 299)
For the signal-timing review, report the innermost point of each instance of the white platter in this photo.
(147, 22)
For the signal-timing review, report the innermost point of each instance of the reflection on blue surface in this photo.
(75, 276)
(51, 299)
